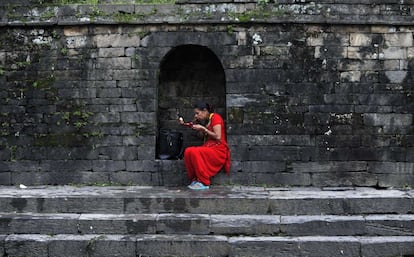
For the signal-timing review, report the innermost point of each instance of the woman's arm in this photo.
(215, 134)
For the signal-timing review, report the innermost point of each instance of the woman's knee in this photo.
(189, 151)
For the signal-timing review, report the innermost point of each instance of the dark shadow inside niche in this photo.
(188, 74)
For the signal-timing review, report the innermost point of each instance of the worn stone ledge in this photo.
(218, 200)
(209, 13)
(208, 224)
(202, 245)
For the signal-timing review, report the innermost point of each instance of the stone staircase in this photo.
(223, 221)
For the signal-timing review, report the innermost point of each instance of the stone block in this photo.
(112, 246)
(242, 62)
(241, 38)
(327, 52)
(410, 155)
(322, 225)
(131, 52)
(410, 52)
(332, 166)
(173, 177)
(391, 119)
(263, 166)
(387, 246)
(170, 245)
(276, 153)
(391, 167)
(23, 166)
(398, 180)
(196, 38)
(326, 246)
(26, 245)
(393, 53)
(343, 179)
(389, 225)
(245, 225)
(379, 101)
(137, 117)
(2, 58)
(337, 98)
(396, 76)
(135, 224)
(117, 224)
(108, 92)
(241, 178)
(2, 238)
(108, 165)
(144, 165)
(77, 93)
(399, 39)
(136, 74)
(316, 40)
(71, 245)
(72, 31)
(123, 108)
(131, 178)
(77, 42)
(351, 76)
(194, 224)
(283, 179)
(69, 165)
(91, 204)
(117, 40)
(354, 53)
(49, 177)
(43, 224)
(5, 178)
(271, 140)
(111, 52)
(118, 63)
(222, 178)
(107, 117)
(360, 39)
(264, 246)
(382, 29)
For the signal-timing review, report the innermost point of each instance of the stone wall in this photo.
(316, 94)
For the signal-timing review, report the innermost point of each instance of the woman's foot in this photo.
(198, 186)
(192, 183)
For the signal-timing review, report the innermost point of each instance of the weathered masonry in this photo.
(314, 93)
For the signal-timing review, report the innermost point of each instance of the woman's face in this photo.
(200, 114)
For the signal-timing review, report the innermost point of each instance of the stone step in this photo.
(207, 224)
(217, 200)
(203, 245)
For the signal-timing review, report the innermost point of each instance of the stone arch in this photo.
(189, 73)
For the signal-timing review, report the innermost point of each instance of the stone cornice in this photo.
(212, 12)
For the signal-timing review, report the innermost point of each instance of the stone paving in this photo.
(49, 221)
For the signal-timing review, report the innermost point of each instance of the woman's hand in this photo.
(180, 120)
(215, 134)
(199, 127)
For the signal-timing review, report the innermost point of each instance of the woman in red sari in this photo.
(205, 161)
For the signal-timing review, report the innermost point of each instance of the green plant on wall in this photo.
(63, 2)
(4, 124)
(96, 2)
(64, 51)
(77, 118)
(262, 2)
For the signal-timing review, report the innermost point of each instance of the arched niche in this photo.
(189, 73)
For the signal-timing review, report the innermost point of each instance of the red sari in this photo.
(205, 161)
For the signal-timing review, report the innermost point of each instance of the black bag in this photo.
(170, 144)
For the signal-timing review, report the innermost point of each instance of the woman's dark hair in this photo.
(203, 105)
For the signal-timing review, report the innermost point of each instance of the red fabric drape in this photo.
(203, 162)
